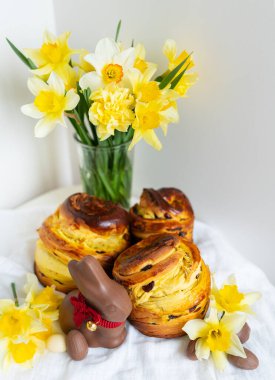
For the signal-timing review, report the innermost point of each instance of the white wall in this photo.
(222, 151)
(28, 166)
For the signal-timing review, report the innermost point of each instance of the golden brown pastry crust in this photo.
(163, 210)
(82, 225)
(167, 281)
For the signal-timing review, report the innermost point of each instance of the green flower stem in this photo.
(106, 170)
(80, 132)
(13, 288)
(93, 131)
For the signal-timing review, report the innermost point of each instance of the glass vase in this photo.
(106, 171)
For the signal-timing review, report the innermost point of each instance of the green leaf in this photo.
(176, 80)
(159, 78)
(118, 30)
(23, 58)
(133, 43)
(166, 80)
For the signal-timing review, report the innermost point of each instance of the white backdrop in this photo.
(221, 154)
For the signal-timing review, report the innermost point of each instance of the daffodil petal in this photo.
(62, 121)
(170, 49)
(97, 63)
(72, 100)
(212, 317)
(219, 359)
(56, 83)
(6, 304)
(164, 129)
(126, 58)
(195, 328)
(45, 70)
(234, 322)
(236, 347)
(32, 111)
(106, 48)
(202, 350)
(170, 115)
(48, 37)
(35, 85)
(31, 287)
(231, 280)
(44, 127)
(250, 298)
(136, 138)
(63, 38)
(151, 138)
(149, 72)
(140, 51)
(35, 56)
(90, 80)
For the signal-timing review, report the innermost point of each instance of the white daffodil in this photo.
(110, 63)
(50, 103)
(218, 337)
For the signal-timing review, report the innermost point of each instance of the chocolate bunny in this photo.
(95, 314)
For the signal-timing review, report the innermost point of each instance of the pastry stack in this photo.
(163, 273)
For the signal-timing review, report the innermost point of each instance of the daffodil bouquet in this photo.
(113, 99)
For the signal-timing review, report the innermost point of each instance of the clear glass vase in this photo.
(106, 171)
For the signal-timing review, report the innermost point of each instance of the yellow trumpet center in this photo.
(112, 73)
(141, 65)
(14, 323)
(21, 352)
(50, 102)
(52, 52)
(218, 339)
(149, 91)
(230, 297)
(150, 120)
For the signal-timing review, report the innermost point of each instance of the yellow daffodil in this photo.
(150, 116)
(230, 299)
(54, 55)
(16, 321)
(23, 352)
(140, 63)
(18, 327)
(112, 109)
(49, 104)
(216, 337)
(110, 63)
(188, 79)
(143, 88)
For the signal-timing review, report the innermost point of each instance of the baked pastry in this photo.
(167, 281)
(82, 225)
(163, 210)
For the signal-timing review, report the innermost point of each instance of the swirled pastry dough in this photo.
(167, 281)
(82, 225)
(163, 210)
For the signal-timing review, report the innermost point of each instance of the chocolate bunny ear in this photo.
(106, 295)
(88, 275)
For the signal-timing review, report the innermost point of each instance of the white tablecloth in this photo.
(140, 357)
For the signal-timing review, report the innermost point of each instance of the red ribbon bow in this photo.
(83, 312)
